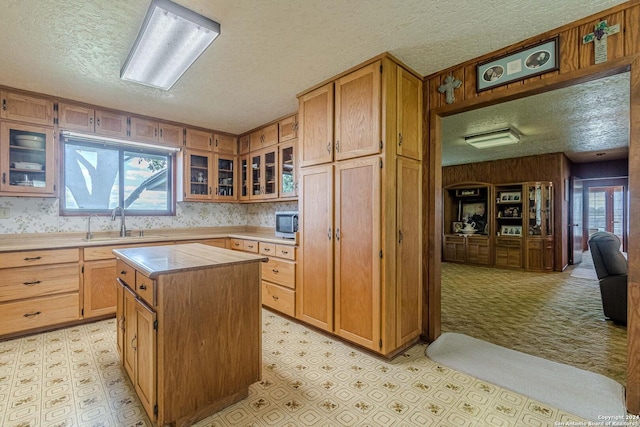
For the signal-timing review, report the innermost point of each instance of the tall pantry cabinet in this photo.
(360, 206)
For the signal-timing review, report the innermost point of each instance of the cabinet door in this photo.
(316, 126)
(130, 333)
(287, 169)
(288, 128)
(245, 177)
(170, 135)
(357, 251)
(26, 160)
(264, 174)
(25, 108)
(197, 174)
(454, 249)
(198, 139)
(145, 347)
(409, 251)
(357, 115)
(120, 318)
(314, 293)
(75, 117)
(111, 124)
(144, 130)
(244, 144)
(225, 178)
(99, 288)
(225, 144)
(409, 142)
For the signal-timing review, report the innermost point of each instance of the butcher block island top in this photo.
(189, 328)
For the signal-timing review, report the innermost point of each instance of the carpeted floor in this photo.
(550, 315)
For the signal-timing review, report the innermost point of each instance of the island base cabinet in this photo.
(186, 352)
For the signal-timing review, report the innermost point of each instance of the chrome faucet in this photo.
(123, 228)
(89, 233)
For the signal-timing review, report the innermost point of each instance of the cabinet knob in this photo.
(34, 314)
(337, 234)
(337, 146)
(267, 249)
(285, 252)
(400, 236)
(329, 233)
(275, 298)
(35, 258)
(275, 271)
(123, 272)
(399, 139)
(4, 177)
(143, 287)
(329, 148)
(4, 104)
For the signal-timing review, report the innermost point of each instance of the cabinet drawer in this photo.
(280, 272)
(278, 298)
(286, 252)
(146, 288)
(126, 273)
(38, 313)
(22, 283)
(251, 246)
(237, 244)
(268, 249)
(40, 257)
(106, 252)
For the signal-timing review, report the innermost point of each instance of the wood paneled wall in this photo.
(576, 65)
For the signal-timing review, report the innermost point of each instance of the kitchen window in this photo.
(98, 176)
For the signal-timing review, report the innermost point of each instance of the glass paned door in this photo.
(606, 210)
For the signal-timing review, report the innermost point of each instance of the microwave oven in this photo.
(286, 224)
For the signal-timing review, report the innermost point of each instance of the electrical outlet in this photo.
(4, 213)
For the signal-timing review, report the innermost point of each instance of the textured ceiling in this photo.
(583, 121)
(267, 53)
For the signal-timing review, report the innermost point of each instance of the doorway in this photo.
(606, 210)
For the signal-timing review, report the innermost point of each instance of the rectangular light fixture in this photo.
(78, 136)
(494, 138)
(171, 38)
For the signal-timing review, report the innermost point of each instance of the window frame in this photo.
(121, 147)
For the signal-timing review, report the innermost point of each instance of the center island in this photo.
(189, 328)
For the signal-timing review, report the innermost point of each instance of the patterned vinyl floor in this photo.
(73, 377)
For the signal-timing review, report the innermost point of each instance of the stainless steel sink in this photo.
(126, 238)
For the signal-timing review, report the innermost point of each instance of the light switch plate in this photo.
(4, 213)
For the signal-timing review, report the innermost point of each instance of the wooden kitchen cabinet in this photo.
(112, 123)
(27, 164)
(245, 177)
(198, 139)
(287, 170)
(409, 116)
(225, 144)
(166, 365)
(315, 111)
(357, 113)
(76, 117)
(170, 135)
(225, 177)
(195, 171)
(264, 174)
(359, 271)
(144, 130)
(39, 289)
(99, 292)
(288, 128)
(26, 108)
(265, 137)
(244, 144)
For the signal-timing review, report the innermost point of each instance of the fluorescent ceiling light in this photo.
(171, 38)
(78, 136)
(495, 138)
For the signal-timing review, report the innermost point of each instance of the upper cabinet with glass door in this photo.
(27, 163)
(264, 174)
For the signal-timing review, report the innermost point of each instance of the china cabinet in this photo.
(27, 165)
(539, 252)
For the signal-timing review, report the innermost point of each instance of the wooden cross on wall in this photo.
(450, 83)
(599, 39)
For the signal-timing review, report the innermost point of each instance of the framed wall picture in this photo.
(473, 213)
(467, 192)
(456, 226)
(510, 196)
(511, 230)
(524, 63)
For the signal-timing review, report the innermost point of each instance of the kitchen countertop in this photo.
(28, 241)
(155, 260)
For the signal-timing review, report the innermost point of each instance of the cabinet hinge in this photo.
(380, 163)
(381, 145)
(380, 254)
(155, 325)
(380, 68)
(54, 187)
(55, 120)
(83, 269)
(82, 312)
(155, 410)
(55, 106)
(380, 343)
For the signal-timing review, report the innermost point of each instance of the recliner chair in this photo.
(611, 268)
